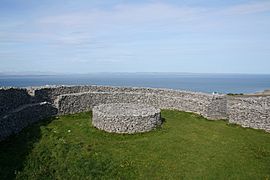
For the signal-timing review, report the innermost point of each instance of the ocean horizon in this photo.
(221, 83)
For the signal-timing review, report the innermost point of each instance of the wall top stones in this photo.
(252, 102)
(11, 98)
(126, 117)
(50, 93)
(126, 109)
(76, 98)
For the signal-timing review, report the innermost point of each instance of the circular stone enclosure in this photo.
(126, 117)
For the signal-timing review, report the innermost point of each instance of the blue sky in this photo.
(201, 36)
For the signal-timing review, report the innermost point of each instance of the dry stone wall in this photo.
(253, 112)
(191, 102)
(11, 98)
(126, 118)
(79, 102)
(217, 108)
(249, 112)
(14, 121)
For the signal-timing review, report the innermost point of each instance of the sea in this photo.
(209, 83)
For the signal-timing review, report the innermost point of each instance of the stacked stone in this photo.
(14, 121)
(19, 107)
(126, 117)
(11, 98)
(253, 112)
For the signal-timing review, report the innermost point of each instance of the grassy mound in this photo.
(186, 146)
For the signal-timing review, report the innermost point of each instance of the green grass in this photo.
(187, 146)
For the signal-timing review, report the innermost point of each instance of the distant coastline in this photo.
(221, 83)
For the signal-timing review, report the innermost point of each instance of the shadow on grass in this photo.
(163, 120)
(14, 150)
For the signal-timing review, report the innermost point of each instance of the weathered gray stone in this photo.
(14, 121)
(11, 98)
(126, 117)
(251, 111)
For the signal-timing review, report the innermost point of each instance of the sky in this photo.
(82, 36)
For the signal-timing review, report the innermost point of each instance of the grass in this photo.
(187, 146)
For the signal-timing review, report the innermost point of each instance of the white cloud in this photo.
(250, 8)
(102, 35)
(126, 14)
(79, 28)
(131, 14)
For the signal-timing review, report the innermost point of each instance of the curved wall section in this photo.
(14, 121)
(253, 112)
(191, 102)
(11, 98)
(15, 103)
